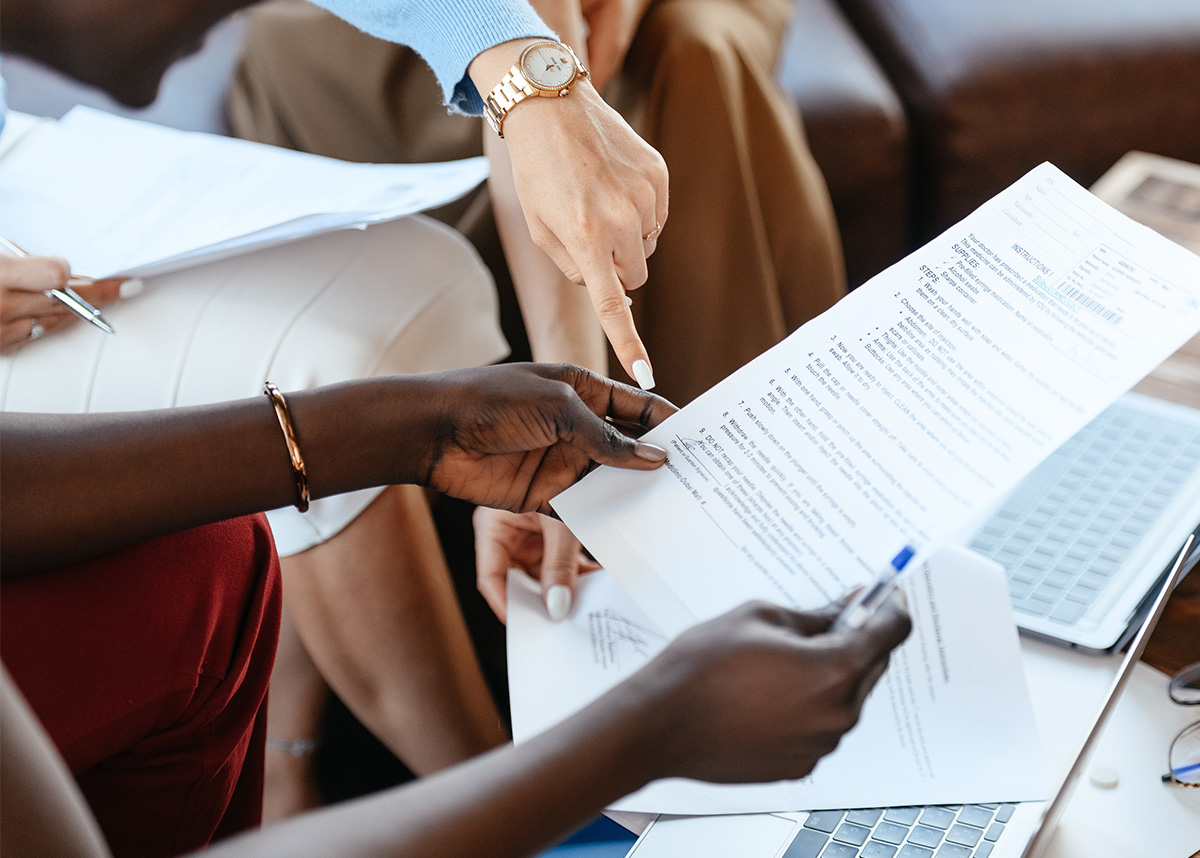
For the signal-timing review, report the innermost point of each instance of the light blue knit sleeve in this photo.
(448, 34)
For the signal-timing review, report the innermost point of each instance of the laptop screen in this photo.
(1055, 807)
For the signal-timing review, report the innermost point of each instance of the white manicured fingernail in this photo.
(558, 601)
(645, 378)
(628, 301)
(131, 287)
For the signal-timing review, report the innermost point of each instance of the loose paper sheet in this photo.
(950, 721)
(759, 835)
(118, 196)
(898, 415)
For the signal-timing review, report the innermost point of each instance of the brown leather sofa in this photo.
(986, 90)
(857, 132)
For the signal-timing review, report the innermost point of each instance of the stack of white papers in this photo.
(897, 417)
(951, 721)
(120, 197)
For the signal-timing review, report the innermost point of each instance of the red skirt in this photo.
(149, 669)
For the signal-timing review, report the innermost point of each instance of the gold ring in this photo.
(654, 233)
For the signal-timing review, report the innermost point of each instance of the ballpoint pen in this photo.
(868, 600)
(66, 296)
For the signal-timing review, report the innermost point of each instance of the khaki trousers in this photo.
(751, 250)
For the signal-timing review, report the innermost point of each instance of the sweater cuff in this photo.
(448, 34)
(463, 42)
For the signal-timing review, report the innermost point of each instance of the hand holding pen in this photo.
(38, 295)
(868, 600)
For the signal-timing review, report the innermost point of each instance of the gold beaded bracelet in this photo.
(289, 437)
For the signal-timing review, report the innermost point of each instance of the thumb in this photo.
(560, 568)
(605, 444)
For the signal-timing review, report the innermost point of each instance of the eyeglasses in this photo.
(1184, 757)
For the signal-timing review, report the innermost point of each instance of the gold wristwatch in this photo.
(544, 68)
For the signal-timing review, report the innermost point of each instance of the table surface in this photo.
(1176, 641)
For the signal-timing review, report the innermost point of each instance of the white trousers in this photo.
(401, 297)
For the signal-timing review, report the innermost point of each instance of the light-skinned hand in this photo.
(590, 189)
(23, 282)
(542, 547)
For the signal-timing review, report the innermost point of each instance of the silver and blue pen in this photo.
(867, 600)
(66, 296)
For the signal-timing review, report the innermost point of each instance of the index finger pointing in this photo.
(612, 310)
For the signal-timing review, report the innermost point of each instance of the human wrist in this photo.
(637, 722)
(366, 433)
(299, 472)
(653, 700)
(491, 65)
(542, 70)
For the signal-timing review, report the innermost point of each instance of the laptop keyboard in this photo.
(1067, 531)
(1063, 537)
(942, 831)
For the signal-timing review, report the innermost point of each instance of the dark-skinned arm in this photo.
(708, 707)
(77, 486)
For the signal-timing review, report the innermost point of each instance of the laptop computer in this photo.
(1009, 830)
(1086, 535)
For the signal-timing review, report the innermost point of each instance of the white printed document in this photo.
(117, 196)
(949, 722)
(897, 416)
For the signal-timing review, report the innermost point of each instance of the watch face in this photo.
(548, 67)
